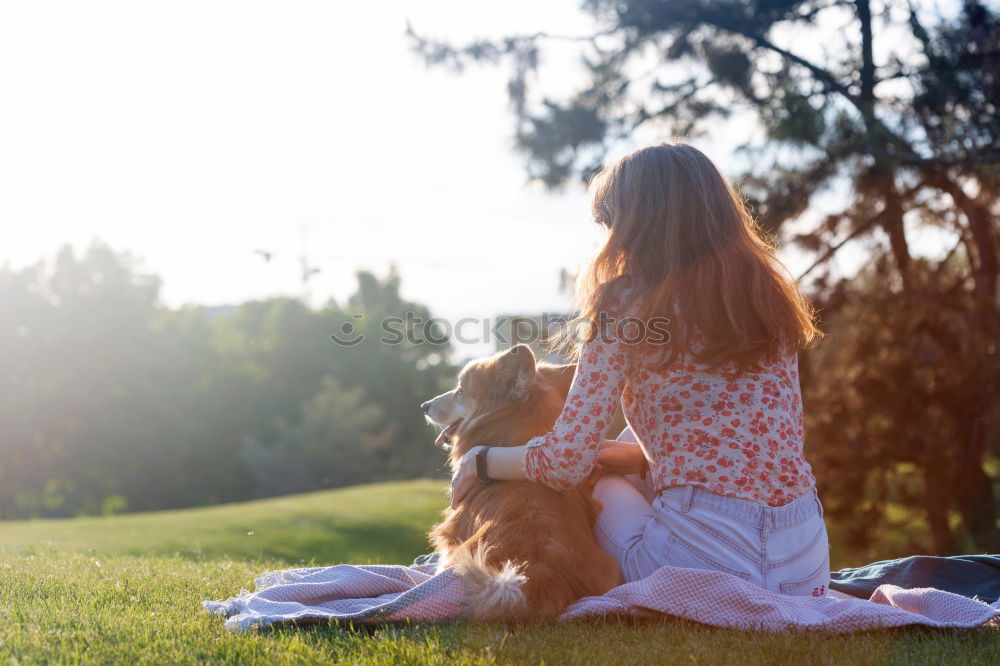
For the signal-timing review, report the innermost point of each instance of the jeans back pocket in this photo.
(816, 584)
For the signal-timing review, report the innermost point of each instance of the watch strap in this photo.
(481, 464)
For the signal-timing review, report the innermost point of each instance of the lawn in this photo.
(127, 589)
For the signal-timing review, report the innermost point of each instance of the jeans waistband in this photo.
(777, 517)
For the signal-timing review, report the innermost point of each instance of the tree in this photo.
(896, 413)
(111, 401)
(85, 365)
(340, 439)
(401, 362)
(894, 113)
(359, 418)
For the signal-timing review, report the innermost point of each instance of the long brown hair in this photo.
(680, 235)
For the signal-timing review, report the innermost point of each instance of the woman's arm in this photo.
(562, 458)
(506, 463)
(503, 463)
(624, 458)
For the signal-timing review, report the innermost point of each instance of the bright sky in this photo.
(193, 133)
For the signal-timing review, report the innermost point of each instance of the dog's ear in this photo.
(518, 364)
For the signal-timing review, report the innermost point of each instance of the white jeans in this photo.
(783, 549)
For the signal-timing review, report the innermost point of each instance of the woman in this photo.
(714, 406)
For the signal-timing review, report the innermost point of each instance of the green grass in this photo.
(385, 523)
(127, 589)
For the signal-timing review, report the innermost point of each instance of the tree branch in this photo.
(983, 240)
(827, 78)
(833, 249)
(913, 159)
(867, 60)
(829, 81)
(865, 226)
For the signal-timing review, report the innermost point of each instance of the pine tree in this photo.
(889, 105)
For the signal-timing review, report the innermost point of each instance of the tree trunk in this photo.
(979, 510)
(943, 540)
(893, 225)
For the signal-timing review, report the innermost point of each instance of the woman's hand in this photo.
(464, 478)
(621, 457)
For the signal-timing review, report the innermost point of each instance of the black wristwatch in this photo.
(481, 465)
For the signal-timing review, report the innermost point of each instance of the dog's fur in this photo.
(525, 551)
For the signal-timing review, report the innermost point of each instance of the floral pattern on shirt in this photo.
(738, 435)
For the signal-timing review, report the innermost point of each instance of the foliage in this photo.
(336, 442)
(112, 401)
(877, 125)
(887, 441)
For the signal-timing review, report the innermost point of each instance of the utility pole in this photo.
(307, 270)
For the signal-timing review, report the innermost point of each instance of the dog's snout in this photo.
(425, 406)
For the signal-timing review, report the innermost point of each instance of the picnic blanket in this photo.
(975, 576)
(421, 593)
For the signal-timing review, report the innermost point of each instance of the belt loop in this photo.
(686, 499)
(819, 505)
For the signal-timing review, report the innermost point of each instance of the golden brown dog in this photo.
(525, 551)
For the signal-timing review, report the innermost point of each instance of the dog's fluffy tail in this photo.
(491, 594)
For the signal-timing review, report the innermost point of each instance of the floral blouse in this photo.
(733, 434)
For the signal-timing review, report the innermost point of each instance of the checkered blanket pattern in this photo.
(383, 593)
